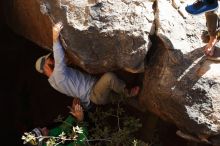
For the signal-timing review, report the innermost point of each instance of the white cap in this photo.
(40, 63)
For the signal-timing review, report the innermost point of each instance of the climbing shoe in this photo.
(202, 6)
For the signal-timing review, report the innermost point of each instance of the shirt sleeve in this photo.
(59, 56)
(60, 68)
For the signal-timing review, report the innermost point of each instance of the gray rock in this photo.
(100, 36)
(180, 85)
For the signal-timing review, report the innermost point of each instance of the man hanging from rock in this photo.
(74, 83)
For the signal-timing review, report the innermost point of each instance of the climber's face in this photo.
(48, 67)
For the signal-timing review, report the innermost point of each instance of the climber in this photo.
(208, 7)
(74, 83)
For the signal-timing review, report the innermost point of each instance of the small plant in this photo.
(30, 137)
(67, 132)
(113, 126)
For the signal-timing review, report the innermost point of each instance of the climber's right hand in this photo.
(56, 31)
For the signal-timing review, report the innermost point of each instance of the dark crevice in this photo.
(152, 50)
(153, 38)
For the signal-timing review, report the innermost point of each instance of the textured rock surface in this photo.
(180, 85)
(183, 33)
(99, 36)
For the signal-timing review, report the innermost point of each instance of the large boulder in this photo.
(99, 36)
(180, 84)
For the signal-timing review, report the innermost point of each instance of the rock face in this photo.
(179, 85)
(182, 90)
(99, 35)
(25, 18)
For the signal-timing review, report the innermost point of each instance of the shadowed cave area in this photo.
(28, 101)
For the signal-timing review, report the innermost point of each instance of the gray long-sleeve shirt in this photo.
(68, 80)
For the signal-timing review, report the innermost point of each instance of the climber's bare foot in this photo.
(209, 49)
